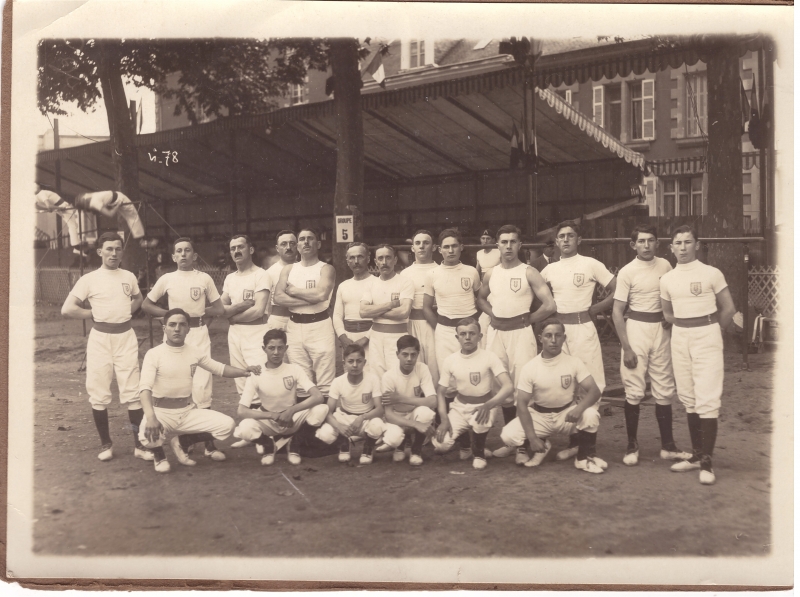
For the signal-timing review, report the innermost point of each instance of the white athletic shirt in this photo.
(418, 274)
(454, 288)
(243, 286)
(348, 302)
(471, 374)
(488, 260)
(509, 292)
(692, 288)
(552, 382)
(573, 280)
(638, 284)
(273, 275)
(418, 383)
(109, 292)
(308, 277)
(185, 290)
(383, 291)
(276, 388)
(167, 370)
(355, 400)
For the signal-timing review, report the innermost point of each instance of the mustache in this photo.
(237, 254)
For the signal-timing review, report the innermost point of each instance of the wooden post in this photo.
(56, 147)
(233, 185)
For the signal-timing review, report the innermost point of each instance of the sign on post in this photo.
(344, 229)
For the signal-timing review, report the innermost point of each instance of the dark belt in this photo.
(280, 311)
(196, 322)
(390, 328)
(441, 319)
(347, 412)
(260, 321)
(545, 409)
(697, 322)
(482, 399)
(357, 326)
(508, 324)
(574, 318)
(309, 317)
(111, 328)
(656, 317)
(417, 314)
(171, 403)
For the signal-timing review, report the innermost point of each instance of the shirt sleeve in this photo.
(262, 282)
(718, 283)
(338, 313)
(545, 275)
(426, 381)
(225, 289)
(623, 287)
(134, 285)
(387, 382)
(249, 392)
(81, 289)
(158, 290)
(429, 284)
(212, 294)
(601, 273)
(147, 375)
(445, 374)
(476, 280)
(334, 392)
(495, 364)
(303, 381)
(581, 371)
(209, 364)
(525, 381)
(664, 288)
(367, 296)
(407, 289)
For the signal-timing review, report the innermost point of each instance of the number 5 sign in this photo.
(344, 229)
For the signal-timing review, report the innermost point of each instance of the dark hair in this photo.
(509, 229)
(108, 237)
(385, 246)
(182, 239)
(553, 321)
(643, 229)
(468, 321)
(682, 229)
(309, 229)
(569, 224)
(421, 231)
(244, 236)
(274, 334)
(448, 232)
(356, 244)
(351, 348)
(282, 232)
(175, 311)
(407, 341)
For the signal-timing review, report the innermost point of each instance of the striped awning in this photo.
(694, 165)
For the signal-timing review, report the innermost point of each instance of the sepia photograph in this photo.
(402, 292)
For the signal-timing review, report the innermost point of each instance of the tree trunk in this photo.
(124, 156)
(349, 142)
(725, 168)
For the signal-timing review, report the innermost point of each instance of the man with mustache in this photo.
(286, 245)
(350, 327)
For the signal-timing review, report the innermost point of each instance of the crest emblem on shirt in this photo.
(247, 295)
(288, 382)
(516, 284)
(696, 288)
(474, 378)
(193, 368)
(311, 283)
(195, 293)
(466, 283)
(395, 296)
(126, 288)
(566, 381)
(577, 279)
(418, 391)
(366, 397)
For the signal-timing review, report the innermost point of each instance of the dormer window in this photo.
(416, 53)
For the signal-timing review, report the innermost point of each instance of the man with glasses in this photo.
(348, 324)
(286, 245)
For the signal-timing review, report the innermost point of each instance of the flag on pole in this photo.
(376, 70)
(515, 152)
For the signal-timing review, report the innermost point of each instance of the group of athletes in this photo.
(434, 353)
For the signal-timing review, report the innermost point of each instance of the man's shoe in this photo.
(522, 456)
(707, 477)
(464, 453)
(503, 452)
(631, 457)
(365, 459)
(216, 455)
(183, 458)
(675, 455)
(684, 466)
(106, 453)
(599, 461)
(588, 465)
(479, 463)
(143, 454)
(415, 460)
(567, 453)
(162, 466)
(538, 457)
(242, 443)
(292, 457)
(259, 449)
(399, 454)
(344, 452)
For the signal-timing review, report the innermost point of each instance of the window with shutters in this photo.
(612, 109)
(597, 105)
(696, 105)
(298, 94)
(683, 196)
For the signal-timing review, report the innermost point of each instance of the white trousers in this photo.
(201, 381)
(109, 355)
(188, 420)
(101, 202)
(245, 345)
(515, 348)
(382, 352)
(312, 346)
(374, 428)
(484, 321)
(548, 424)
(422, 331)
(277, 322)
(650, 343)
(698, 363)
(252, 429)
(462, 419)
(583, 342)
(394, 434)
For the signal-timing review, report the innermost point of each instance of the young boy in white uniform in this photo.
(645, 342)
(696, 300)
(348, 324)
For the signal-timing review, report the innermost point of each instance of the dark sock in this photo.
(344, 444)
(664, 418)
(408, 438)
(464, 442)
(509, 413)
(478, 444)
(708, 428)
(525, 445)
(573, 440)
(255, 406)
(101, 422)
(416, 443)
(695, 434)
(592, 444)
(159, 455)
(210, 446)
(189, 439)
(135, 417)
(369, 446)
(586, 442)
(632, 420)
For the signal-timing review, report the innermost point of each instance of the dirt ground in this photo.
(443, 508)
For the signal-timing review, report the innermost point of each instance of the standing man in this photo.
(486, 259)
(305, 289)
(505, 297)
(696, 300)
(573, 280)
(348, 324)
(645, 342)
(112, 349)
(188, 289)
(546, 258)
(388, 302)
(422, 246)
(286, 246)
